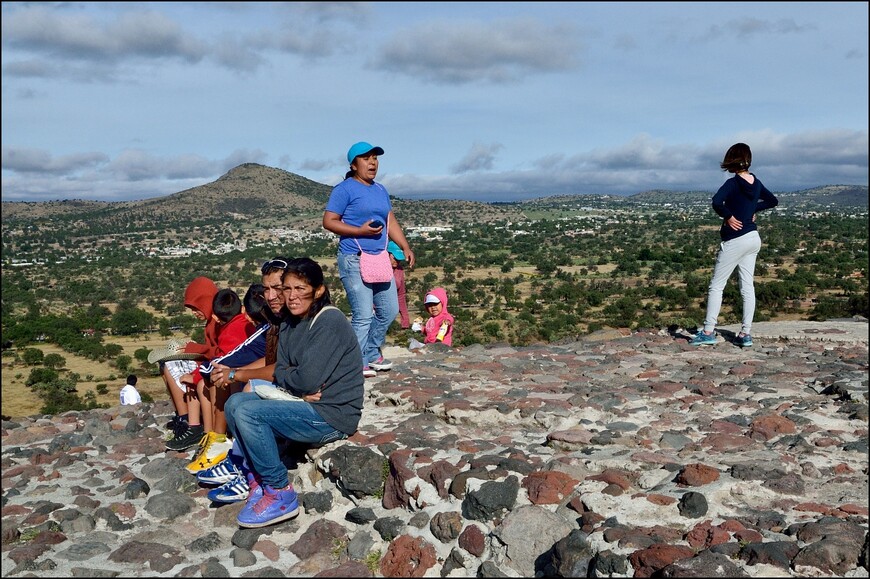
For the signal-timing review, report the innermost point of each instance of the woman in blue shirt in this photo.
(360, 212)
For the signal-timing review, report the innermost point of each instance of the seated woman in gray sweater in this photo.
(318, 359)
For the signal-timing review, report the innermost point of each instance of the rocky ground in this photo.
(622, 454)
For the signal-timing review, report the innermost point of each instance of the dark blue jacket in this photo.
(736, 197)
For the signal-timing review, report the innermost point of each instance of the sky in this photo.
(496, 101)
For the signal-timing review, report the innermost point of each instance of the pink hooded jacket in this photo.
(433, 325)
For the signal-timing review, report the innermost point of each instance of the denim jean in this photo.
(256, 423)
(373, 307)
(739, 253)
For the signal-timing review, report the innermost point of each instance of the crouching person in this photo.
(318, 369)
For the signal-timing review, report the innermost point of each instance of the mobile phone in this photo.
(376, 223)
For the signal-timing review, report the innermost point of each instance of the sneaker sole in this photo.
(229, 499)
(217, 479)
(206, 463)
(380, 368)
(182, 448)
(284, 517)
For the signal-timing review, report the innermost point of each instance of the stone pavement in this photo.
(619, 454)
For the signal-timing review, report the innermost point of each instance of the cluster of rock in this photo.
(635, 455)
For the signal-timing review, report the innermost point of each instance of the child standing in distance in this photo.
(397, 259)
(736, 202)
(439, 326)
(233, 328)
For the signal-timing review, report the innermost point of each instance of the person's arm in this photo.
(396, 234)
(766, 200)
(721, 197)
(332, 222)
(255, 370)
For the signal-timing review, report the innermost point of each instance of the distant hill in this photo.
(265, 196)
(249, 191)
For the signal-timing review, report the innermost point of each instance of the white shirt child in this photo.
(129, 395)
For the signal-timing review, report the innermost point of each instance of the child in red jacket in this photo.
(199, 299)
(233, 328)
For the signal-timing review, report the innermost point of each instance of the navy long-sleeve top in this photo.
(737, 197)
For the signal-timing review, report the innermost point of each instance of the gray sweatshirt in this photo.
(325, 357)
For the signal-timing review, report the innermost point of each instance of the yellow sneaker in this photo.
(213, 448)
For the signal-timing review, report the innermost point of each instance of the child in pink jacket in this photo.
(439, 326)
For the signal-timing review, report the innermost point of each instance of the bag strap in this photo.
(318, 314)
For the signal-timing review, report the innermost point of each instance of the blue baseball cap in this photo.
(397, 252)
(362, 148)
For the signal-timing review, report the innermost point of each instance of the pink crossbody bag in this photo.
(376, 267)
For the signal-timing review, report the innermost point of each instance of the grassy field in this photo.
(19, 400)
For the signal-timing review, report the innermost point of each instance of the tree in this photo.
(54, 360)
(33, 356)
(128, 320)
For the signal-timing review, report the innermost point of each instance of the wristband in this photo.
(232, 375)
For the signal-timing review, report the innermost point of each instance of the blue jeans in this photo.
(256, 423)
(373, 307)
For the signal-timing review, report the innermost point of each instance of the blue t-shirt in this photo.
(357, 203)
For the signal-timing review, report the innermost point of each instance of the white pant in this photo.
(739, 252)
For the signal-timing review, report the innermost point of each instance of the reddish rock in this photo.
(725, 427)
(548, 487)
(613, 476)
(770, 426)
(731, 525)
(124, 510)
(12, 510)
(744, 370)
(438, 473)
(666, 387)
(473, 540)
(577, 505)
(576, 435)
(726, 442)
(395, 495)
(656, 557)
(268, 548)
(704, 536)
(853, 509)
(658, 499)
(696, 475)
(748, 536)
(813, 508)
(408, 557)
(843, 468)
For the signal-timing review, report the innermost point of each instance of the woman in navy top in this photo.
(736, 202)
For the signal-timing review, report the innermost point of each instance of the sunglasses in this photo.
(273, 264)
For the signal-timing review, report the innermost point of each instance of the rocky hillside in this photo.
(619, 455)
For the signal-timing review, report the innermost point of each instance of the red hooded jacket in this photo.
(199, 295)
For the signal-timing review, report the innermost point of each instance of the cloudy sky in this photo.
(492, 102)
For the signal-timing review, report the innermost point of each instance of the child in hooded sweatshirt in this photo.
(198, 298)
(439, 326)
(233, 329)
